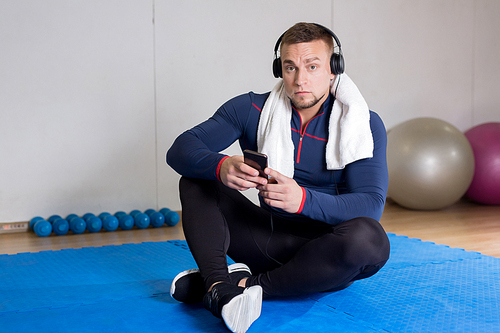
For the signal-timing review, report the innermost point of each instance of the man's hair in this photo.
(307, 32)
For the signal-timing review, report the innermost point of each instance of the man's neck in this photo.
(307, 114)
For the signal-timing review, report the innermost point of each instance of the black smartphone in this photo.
(256, 160)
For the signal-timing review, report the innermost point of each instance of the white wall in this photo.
(92, 93)
(411, 58)
(77, 125)
(486, 64)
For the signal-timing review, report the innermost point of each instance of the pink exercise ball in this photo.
(485, 142)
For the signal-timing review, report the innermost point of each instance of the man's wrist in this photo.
(217, 171)
(303, 201)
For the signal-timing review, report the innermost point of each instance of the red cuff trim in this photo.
(217, 172)
(303, 201)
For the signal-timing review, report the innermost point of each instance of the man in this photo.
(316, 228)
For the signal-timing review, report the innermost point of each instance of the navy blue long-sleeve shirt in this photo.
(329, 196)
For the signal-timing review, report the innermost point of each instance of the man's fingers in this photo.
(275, 176)
(285, 194)
(245, 168)
(242, 181)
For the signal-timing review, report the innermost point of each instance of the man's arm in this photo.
(195, 153)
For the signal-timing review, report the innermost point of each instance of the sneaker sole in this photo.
(243, 310)
(237, 267)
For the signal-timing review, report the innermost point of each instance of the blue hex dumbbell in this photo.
(156, 218)
(125, 221)
(41, 227)
(171, 217)
(94, 224)
(76, 224)
(60, 226)
(141, 220)
(109, 222)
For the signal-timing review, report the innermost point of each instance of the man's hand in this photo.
(282, 193)
(235, 174)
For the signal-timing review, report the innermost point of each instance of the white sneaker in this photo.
(238, 307)
(188, 286)
(240, 313)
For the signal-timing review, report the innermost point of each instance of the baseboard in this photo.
(11, 227)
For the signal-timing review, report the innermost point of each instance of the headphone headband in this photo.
(330, 32)
(336, 61)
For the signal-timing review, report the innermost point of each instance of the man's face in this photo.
(306, 73)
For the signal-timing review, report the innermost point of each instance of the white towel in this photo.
(349, 138)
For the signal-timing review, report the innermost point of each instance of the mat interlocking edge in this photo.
(125, 288)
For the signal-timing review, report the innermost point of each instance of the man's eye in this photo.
(290, 69)
(313, 67)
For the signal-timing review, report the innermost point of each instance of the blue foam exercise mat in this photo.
(125, 288)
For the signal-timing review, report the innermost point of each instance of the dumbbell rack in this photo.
(104, 221)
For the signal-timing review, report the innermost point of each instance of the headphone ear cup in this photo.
(337, 64)
(277, 68)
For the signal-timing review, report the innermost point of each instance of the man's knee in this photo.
(368, 240)
(187, 183)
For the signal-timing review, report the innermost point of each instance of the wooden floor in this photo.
(465, 225)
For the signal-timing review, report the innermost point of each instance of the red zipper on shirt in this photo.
(302, 133)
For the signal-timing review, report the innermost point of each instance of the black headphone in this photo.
(336, 61)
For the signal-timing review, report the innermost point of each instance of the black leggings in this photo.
(285, 257)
